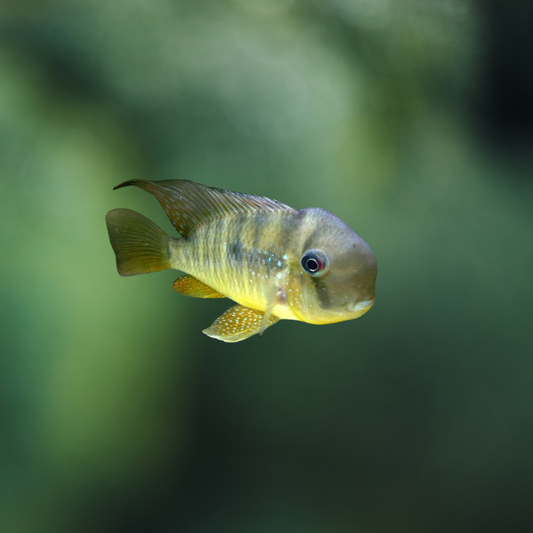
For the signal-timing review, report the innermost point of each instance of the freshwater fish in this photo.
(274, 261)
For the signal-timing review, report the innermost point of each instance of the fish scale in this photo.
(243, 272)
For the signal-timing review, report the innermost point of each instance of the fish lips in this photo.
(359, 306)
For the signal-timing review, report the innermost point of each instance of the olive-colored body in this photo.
(274, 261)
(243, 257)
(254, 259)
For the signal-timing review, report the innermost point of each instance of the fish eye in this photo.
(315, 263)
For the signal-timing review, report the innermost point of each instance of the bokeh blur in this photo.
(411, 120)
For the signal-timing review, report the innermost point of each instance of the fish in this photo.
(275, 262)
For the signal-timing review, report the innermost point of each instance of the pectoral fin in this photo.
(239, 323)
(190, 286)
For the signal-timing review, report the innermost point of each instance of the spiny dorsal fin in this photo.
(190, 286)
(239, 323)
(189, 205)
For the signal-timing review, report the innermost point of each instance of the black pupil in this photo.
(312, 265)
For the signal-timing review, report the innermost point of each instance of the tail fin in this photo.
(141, 247)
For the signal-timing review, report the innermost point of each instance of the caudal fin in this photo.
(140, 245)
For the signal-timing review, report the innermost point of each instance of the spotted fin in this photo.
(190, 286)
(189, 205)
(238, 323)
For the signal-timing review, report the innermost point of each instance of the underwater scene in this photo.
(379, 158)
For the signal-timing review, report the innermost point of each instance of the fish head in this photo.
(333, 272)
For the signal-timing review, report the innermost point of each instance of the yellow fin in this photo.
(190, 286)
(188, 204)
(140, 245)
(238, 323)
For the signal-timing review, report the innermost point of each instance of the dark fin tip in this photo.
(125, 184)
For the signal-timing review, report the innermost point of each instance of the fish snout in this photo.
(361, 306)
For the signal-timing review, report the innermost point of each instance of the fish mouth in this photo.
(360, 306)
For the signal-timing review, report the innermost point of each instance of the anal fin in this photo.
(239, 323)
(190, 286)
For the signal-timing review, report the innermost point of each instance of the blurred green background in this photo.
(412, 120)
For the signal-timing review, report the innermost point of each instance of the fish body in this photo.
(274, 261)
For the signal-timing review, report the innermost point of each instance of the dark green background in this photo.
(410, 120)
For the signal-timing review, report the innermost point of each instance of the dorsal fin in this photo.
(189, 205)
